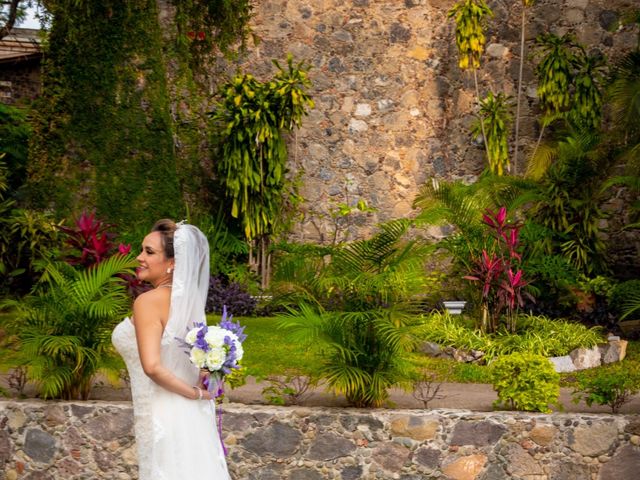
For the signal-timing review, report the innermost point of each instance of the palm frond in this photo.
(91, 282)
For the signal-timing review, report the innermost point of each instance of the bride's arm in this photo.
(147, 314)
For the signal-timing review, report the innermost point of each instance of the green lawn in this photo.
(268, 351)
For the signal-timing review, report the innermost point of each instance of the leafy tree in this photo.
(10, 12)
(61, 333)
(250, 120)
(495, 122)
(362, 310)
(470, 17)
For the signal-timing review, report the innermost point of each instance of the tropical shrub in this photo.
(622, 294)
(502, 288)
(14, 144)
(525, 381)
(26, 237)
(61, 333)
(361, 313)
(534, 334)
(612, 386)
(223, 292)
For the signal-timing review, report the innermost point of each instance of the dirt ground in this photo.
(467, 396)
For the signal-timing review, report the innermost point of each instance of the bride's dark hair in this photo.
(167, 228)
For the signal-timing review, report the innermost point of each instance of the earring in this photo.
(169, 270)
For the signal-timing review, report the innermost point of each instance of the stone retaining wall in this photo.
(61, 440)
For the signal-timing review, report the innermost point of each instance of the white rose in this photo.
(239, 350)
(192, 336)
(197, 357)
(215, 358)
(215, 337)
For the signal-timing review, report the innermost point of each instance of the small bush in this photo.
(621, 293)
(535, 334)
(612, 386)
(525, 381)
(232, 294)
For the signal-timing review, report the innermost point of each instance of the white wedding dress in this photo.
(177, 438)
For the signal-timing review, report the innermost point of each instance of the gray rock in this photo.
(328, 446)
(271, 472)
(614, 351)
(497, 50)
(478, 434)
(279, 440)
(350, 422)
(39, 445)
(39, 475)
(593, 440)
(429, 457)
(608, 19)
(108, 427)
(399, 34)
(357, 126)
(430, 348)
(569, 471)
(391, 456)
(584, 358)
(351, 472)
(6, 448)
(336, 65)
(624, 465)
(633, 427)
(494, 472)
(80, 410)
(563, 364)
(305, 474)
(521, 464)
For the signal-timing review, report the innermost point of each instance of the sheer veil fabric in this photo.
(176, 437)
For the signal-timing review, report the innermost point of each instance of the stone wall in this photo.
(19, 81)
(392, 107)
(58, 440)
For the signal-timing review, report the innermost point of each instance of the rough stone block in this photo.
(391, 456)
(328, 446)
(563, 364)
(584, 358)
(478, 434)
(521, 464)
(39, 445)
(465, 468)
(625, 464)
(429, 457)
(543, 434)
(415, 427)
(614, 351)
(279, 440)
(594, 440)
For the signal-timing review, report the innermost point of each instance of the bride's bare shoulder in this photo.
(152, 297)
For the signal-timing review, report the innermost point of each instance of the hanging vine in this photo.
(111, 129)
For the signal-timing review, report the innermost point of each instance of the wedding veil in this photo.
(188, 297)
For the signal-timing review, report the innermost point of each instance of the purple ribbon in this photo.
(219, 392)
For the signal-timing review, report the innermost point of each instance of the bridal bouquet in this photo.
(216, 348)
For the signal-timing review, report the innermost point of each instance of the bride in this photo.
(176, 433)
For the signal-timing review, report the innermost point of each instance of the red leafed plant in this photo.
(89, 240)
(90, 243)
(497, 270)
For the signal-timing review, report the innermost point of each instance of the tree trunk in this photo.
(519, 94)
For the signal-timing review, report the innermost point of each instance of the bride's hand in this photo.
(204, 379)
